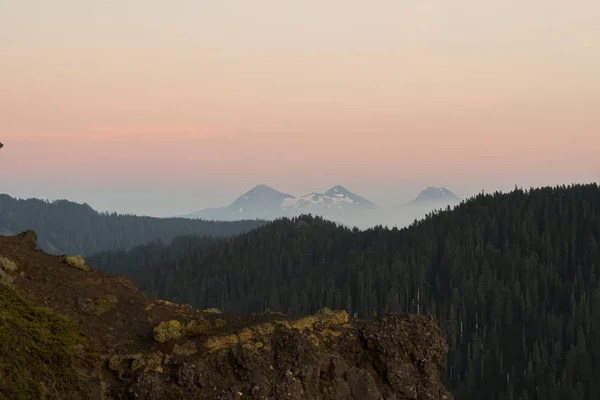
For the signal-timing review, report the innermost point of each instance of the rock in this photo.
(29, 238)
(121, 364)
(186, 375)
(105, 303)
(199, 355)
(147, 387)
(186, 349)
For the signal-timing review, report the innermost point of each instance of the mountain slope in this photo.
(260, 202)
(67, 227)
(512, 278)
(98, 337)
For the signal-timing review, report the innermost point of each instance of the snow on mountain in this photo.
(336, 198)
(336, 204)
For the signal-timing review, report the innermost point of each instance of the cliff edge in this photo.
(70, 332)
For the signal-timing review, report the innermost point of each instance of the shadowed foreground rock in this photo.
(143, 349)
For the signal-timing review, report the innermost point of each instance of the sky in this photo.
(162, 108)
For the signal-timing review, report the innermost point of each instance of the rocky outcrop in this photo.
(138, 348)
(325, 356)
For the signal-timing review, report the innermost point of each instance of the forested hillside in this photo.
(512, 279)
(67, 227)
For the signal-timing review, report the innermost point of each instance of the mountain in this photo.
(399, 216)
(436, 195)
(261, 202)
(513, 278)
(267, 203)
(336, 204)
(69, 332)
(72, 228)
(335, 199)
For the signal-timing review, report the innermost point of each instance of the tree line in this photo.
(71, 228)
(512, 279)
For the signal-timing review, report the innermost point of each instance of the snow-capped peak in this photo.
(263, 201)
(336, 198)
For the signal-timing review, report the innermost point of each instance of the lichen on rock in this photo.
(168, 330)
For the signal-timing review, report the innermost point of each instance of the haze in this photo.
(161, 108)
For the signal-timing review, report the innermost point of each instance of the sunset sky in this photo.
(162, 108)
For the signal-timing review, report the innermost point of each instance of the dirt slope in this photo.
(136, 347)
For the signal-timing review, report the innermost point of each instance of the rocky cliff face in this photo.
(136, 347)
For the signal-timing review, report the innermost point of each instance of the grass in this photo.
(7, 265)
(6, 279)
(36, 350)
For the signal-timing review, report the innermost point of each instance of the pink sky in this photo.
(205, 99)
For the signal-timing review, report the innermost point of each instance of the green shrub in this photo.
(168, 330)
(77, 262)
(212, 311)
(268, 311)
(36, 349)
(196, 327)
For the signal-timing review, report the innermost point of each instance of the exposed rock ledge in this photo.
(145, 349)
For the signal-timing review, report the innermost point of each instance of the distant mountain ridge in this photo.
(263, 201)
(72, 228)
(336, 204)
